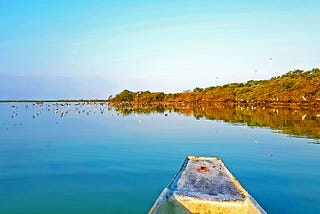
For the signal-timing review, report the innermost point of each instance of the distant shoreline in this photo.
(53, 101)
(127, 103)
(293, 89)
(272, 104)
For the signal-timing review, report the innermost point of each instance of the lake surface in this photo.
(88, 158)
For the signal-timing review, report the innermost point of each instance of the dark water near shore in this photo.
(86, 158)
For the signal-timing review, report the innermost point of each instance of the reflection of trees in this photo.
(299, 122)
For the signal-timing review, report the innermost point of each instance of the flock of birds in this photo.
(61, 109)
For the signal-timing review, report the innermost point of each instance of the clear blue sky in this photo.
(91, 49)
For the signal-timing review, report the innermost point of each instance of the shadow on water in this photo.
(297, 122)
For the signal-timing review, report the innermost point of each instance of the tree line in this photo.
(296, 86)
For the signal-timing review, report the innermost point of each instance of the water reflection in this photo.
(297, 122)
(64, 147)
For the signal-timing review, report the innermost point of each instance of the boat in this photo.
(205, 185)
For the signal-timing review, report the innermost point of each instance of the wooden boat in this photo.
(205, 185)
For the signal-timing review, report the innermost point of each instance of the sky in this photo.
(80, 49)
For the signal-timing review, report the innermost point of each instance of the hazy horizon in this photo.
(83, 50)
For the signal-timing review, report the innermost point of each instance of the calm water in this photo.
(88, 159)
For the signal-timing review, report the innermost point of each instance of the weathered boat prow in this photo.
(205, 185)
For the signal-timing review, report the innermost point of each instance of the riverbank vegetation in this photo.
(56, 101)
(293, 87)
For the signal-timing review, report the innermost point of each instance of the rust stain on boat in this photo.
(203, 169)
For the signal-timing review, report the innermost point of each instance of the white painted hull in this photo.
(205, 185)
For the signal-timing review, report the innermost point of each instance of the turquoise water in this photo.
(90, 159)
